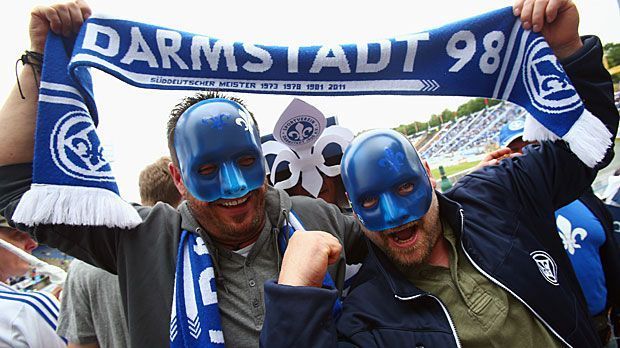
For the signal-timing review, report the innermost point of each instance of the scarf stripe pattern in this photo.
(489, 55)
(195, 317)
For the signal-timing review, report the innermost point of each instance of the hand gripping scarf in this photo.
(486, 56)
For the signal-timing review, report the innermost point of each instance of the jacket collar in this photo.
(378, 263)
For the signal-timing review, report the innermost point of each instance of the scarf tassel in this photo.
(588, 138)
(59, 204)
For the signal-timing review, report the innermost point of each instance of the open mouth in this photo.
(404, 237)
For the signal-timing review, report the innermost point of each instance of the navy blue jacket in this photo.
(504, 219)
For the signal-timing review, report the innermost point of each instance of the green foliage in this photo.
(447, 115)
(612, 53)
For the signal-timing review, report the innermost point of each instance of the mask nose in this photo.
(233, 183)
(392, 213)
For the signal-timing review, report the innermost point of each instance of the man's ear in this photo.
(430, 175)
(178, 180)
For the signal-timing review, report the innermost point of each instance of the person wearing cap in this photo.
(27, 318)
(585, 227)
(480, 266)
(190, 275)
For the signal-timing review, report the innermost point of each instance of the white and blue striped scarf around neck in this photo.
(486, 56)
(195, 318)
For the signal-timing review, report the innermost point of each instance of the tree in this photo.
(447, 115)
(612, 53)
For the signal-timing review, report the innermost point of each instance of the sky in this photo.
(132, 120)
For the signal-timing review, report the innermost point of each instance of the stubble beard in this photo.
(227, 233)
(429, 231)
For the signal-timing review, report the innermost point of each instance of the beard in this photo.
(426, 231)
(236, 228)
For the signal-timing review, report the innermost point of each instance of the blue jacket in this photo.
(504, 219)
(609, 251)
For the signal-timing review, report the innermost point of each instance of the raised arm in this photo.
(18, 115)
(18, 119)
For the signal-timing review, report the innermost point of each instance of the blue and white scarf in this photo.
(486, 56)
(195, 318)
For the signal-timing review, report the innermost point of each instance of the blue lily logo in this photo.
(217, 121)
(392, 160)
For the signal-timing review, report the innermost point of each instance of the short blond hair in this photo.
(156, 184)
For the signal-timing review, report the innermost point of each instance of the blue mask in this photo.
(215, 142)
(385, 179)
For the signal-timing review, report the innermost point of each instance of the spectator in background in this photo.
(27, 318)
(156, 184)
(307, 163)
(611, 195)
(586, 229)
(91, 315)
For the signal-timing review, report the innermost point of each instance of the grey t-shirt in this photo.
(91, 308)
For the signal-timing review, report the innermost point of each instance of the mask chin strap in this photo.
(56, 274)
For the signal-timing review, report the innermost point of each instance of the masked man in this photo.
(192, 275)
(480, 266)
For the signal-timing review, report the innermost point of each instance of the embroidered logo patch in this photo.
(546, 266)
(76, 149)
(546, 84)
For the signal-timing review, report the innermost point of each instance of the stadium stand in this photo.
(470, 135)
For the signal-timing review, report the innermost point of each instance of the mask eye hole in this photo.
(207, 169)
(246, 161)
(369, 202)
(405, 189)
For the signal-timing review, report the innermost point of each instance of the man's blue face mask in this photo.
(219, 152)
(385, 179)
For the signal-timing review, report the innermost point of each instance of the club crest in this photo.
(299, 130)
(516, 125)
(546, 266)
(76, 149)
(546, 84)
(300, 125)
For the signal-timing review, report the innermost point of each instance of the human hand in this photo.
(63, 18)
(558, 20)
(306, 258)
(56, 292)
(494, 157)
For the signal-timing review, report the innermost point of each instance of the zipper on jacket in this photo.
(498, 283)
(445, 311)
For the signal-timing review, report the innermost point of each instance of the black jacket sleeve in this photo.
(548, 175)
